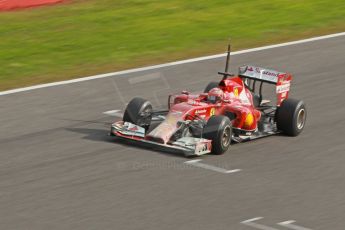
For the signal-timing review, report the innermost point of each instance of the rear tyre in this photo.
(219, 130)
(139, 112)
(210, 86)
(291, 117)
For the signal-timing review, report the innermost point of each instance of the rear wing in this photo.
(260, 74)
(280, 79)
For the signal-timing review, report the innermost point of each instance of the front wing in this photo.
(189, 146)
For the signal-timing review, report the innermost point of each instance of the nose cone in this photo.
(164, 131)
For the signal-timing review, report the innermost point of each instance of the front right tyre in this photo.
(218, 129)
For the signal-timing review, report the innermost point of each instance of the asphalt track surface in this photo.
(60, 170)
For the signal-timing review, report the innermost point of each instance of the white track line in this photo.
(289, 224)
(168, 64)
(210, 167)
(251, 223)
(251, 220)
(114, 113)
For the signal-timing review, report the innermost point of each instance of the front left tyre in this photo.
(139, 112)
(210, 86)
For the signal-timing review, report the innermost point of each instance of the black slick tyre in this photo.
(218, 129)
(138, 112)
(291, 117)
(210, 86)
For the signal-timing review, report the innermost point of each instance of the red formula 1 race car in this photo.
(232, 110)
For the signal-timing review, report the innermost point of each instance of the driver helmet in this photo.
(215, 95)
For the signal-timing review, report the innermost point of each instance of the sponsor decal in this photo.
(134, 128)
(283, 88)
(202, 147)
(268, 73)
(200, 111)
(268, 76)
(212, 111)
(260, 73)
(131, 129)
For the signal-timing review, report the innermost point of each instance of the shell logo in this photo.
(236, 92)
(212, 111)
(249, 120)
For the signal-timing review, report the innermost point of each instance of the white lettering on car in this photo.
(283, 88)
(200, 111)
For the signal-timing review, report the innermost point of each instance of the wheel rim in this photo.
(145, 117)
(300, 119)
(226, 137)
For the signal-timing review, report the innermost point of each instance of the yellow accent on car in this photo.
(236, 92)
(212, 112)
(249, 120)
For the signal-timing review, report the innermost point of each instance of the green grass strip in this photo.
(88, 37)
